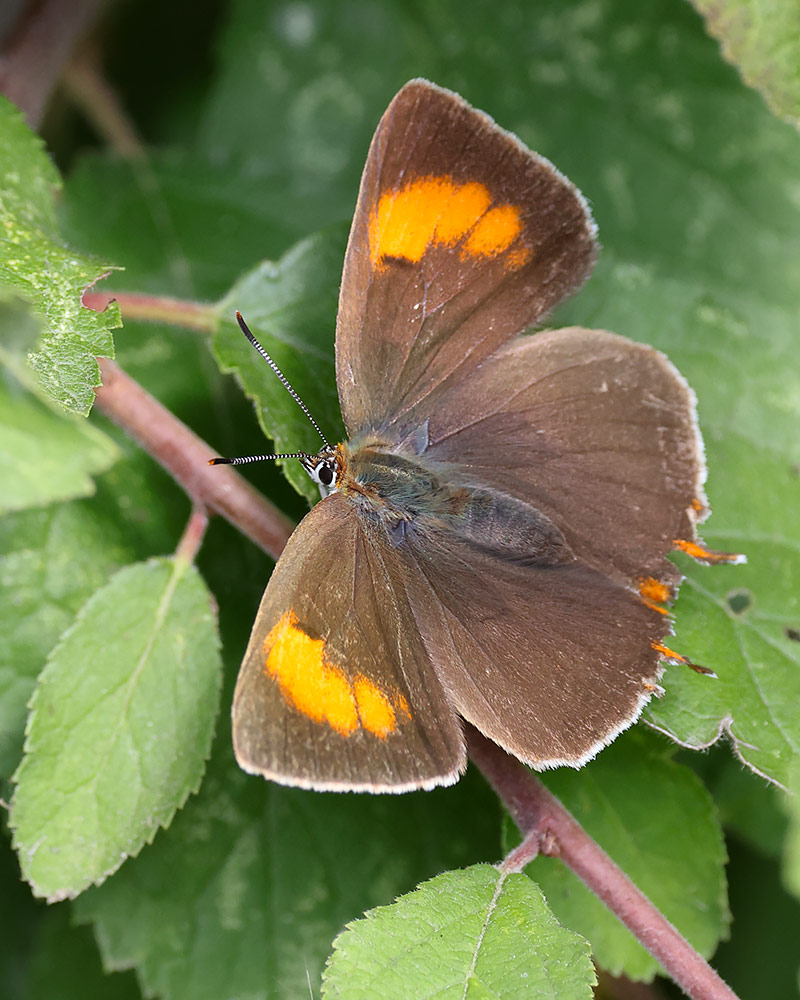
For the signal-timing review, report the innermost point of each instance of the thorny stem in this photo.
(541, 817)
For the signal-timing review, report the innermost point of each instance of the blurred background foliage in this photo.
(233, 129)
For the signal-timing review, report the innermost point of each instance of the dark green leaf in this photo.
(747, 805)
(761, 958)
(120, 727)
(65, 963)
(290, 307)
(246, 892)
(791, 870)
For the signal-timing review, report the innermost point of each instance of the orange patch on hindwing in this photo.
(438, 211)
(321, 690)
(668, 654)
(654, 593)
(706, 555)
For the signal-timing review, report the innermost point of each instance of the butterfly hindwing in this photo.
(550, 662)
(335, 690)
(597, 432)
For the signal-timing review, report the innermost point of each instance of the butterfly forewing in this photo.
(461, 238)
(336, 691)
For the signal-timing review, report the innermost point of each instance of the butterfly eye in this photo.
(325, 474)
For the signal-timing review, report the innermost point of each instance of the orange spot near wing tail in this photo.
(704, 555)
(654, 593)
(672, 657)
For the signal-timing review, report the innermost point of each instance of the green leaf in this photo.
(655, 819)
(46, 456)
(791, 867)
(51, 561)
(748, 806)
(475, 933)
(37, 266)
(244, 894)
(120, 727)
(43, 956)
(735, 620)
(65, 962)
(761, 958)
(762, 38)
(290, 307)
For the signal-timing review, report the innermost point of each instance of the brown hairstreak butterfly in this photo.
(492, 540)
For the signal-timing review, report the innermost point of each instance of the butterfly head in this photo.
(325, 468)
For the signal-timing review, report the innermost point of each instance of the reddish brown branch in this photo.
(39, 48)
(193, 534)
(539, 815)
(185, 456)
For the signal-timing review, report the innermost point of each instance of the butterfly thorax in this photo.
(413, 492)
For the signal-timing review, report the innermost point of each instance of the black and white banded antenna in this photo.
(244, 460)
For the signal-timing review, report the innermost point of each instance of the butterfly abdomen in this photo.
(510, 528)
(418, 493)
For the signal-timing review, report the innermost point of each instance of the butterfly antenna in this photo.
(258, 458)
(284, 380)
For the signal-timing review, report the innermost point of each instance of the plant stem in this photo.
(88, 87)
(156, 309)
(185, 456)
(539, 815)
(40, 45)
(193, 534)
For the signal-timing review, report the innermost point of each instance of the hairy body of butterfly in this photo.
(494, 541)
(411, 494)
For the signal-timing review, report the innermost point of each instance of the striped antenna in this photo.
(288, 387)
(258, 458)
(284, 380)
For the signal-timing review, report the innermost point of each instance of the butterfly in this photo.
(492, 541)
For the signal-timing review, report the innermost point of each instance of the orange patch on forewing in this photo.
(698, 505)
(322, 691)
(319, 690)
(439, 211)
(495, 232)
(374, 708)
(465, 205)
